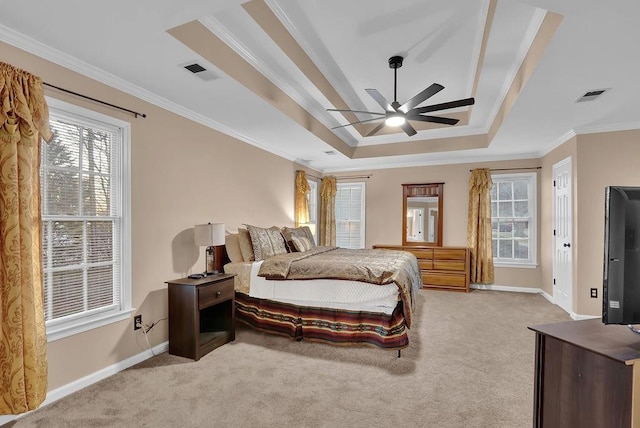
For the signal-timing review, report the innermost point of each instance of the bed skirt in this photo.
(332, 326)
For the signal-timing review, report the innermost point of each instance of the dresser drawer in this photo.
(449, 254)
(449, 265)
(425, 264)
(211, 294)
(444, 279)
(422, 253)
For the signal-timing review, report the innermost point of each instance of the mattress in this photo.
(321, 293)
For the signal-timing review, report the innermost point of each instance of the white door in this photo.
(562, 243)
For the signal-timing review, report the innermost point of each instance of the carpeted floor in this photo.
(469, 364)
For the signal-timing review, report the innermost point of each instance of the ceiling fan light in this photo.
(395, 121)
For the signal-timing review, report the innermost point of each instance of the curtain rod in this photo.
(135, 113)
(511, 169)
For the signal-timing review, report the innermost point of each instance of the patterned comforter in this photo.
(372, 266)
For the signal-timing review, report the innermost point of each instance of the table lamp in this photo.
(209, 235)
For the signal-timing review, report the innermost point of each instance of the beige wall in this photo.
(605, 159)
(183, 173)
(384, 208)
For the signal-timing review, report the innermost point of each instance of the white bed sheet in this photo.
(326, 293)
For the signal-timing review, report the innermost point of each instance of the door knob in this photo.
(566, 245)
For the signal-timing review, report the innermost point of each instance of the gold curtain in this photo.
(328, 211)
(479, 226)
(24, 120)
(301, 209)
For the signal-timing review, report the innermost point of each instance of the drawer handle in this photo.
(218, 293)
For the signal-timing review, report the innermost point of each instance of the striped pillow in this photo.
(301, 243)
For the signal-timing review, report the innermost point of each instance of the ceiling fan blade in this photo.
(356, 111)
(446, 106)
(375, 130)
(406, 127)
(421, 97)
(359, 121)
(434, 119)
(380, 100)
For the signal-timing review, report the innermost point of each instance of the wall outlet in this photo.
(594, 293)
(137, 322)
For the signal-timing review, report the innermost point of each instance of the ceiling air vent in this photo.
(200, 71)
(330, 153)
(591, 95)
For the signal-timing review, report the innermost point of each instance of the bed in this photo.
(323, 294)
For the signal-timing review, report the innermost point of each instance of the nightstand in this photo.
(201, 314)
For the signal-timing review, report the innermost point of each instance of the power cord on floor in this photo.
(146, 328)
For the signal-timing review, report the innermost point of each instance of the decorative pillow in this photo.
(266, 242)
(300, 232)
(301, 243)
(232, 245)
(246, 249)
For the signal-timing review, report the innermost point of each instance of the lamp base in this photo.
(213, 272)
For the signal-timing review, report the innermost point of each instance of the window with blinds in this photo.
(83, 220)
(350, 215)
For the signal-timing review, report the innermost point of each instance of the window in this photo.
(513, 219)
(85, 185)
(312, 197)
(350, 215)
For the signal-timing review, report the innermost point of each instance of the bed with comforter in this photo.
(328, 294)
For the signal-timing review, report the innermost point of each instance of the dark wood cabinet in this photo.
(587, 374)
(201, 314)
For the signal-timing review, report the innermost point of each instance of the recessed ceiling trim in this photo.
(485, 20)
(196, 36)
(523, 51)
(221, 31)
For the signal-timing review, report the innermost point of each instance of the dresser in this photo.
(445, 268)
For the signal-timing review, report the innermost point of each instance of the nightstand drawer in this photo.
(214, 293)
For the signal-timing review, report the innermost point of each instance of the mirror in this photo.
(422, 214)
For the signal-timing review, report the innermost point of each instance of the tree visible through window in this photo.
(82, 218)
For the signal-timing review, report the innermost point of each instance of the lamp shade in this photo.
(210, 234)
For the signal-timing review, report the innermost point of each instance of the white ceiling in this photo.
(127, 45)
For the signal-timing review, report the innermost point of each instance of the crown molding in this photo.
(595, 129)
(72, 63)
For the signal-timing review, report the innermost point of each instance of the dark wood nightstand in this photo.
(201, 315)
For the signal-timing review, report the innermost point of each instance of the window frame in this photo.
(312, 199)
(88, 320)
(362, 185)
(531, 179)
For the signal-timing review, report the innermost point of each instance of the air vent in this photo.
(330, 153)
(200, 71)
(591, 95)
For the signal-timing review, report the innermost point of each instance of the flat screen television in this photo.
(621, 279)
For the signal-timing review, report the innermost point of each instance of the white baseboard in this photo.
(76, 385)
(493, 287)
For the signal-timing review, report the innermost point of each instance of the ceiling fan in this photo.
(397, 114)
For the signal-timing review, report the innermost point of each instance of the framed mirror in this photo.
(422, 214)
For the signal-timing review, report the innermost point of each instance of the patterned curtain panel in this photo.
(479, 227)
(328, 211)
(24, 120)
(301, 209)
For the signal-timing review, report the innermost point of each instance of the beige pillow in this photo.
(301, 243)
(300, 232)
(245, 245)
(266, 242)
(232, 244)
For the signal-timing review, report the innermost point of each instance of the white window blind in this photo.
(513, 218)
(83, 219)
(350, 214)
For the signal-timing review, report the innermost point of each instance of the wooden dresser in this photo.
(444, 268)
